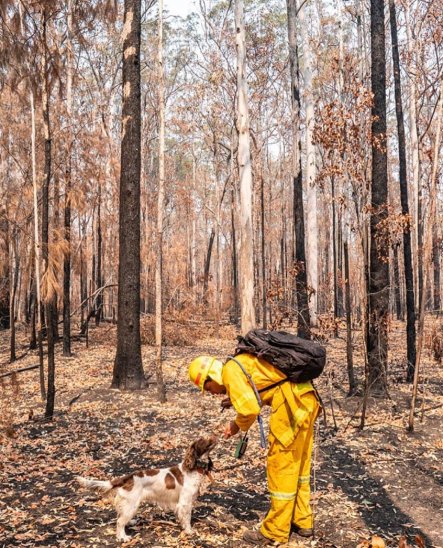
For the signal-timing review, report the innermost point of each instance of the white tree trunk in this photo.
(414, 150)
(245, 174)
(37, 249)
(360, 39)
(311, 173)
(217, 248)
(193, 234)
(427, 251)
(68, 184)
(161, 198)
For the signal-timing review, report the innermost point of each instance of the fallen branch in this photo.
(19, 370)
(4, 364)
(78, 396)
(164, 522)
(432, 407)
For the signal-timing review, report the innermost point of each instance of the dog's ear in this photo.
(190, 459)
(203, 445)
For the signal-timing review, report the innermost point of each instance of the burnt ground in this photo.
(379, 481)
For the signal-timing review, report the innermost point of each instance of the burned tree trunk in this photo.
(349, 354)
(4, 271)
(436, 257)
(407, 253)
(207, 266)
(378, 299)
(68, 185)
(301, 281)
(128, 369)
(49, 293)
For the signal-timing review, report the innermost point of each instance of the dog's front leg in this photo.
(184, 511)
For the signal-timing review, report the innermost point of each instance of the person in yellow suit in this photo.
(294, 408)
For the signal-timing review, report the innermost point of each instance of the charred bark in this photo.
(407, 253)
(301, 281)
(207, 266)
(436, 256)
(4, 273)
(397, 296)
(378, 299)
(349, 354)
(128, 369)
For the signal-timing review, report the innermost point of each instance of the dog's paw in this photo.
(123, 537)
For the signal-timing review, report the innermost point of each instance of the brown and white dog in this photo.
(174, 488)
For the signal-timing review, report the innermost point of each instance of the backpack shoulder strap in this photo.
(259, 400)
(251, 382)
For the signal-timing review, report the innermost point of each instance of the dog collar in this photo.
(204, 467)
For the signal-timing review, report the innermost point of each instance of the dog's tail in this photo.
(102, 486)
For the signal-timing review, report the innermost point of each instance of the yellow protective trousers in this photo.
(288, 472)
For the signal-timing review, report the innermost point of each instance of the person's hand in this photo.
(230, 430)
(226, 403)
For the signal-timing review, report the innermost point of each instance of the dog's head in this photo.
(199, 449)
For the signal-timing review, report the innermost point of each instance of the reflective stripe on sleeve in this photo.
(244, 399)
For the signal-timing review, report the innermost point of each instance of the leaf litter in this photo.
(377, 487)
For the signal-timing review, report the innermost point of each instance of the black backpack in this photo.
(299, 359)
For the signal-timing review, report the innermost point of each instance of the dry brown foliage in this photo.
(436, 343)
(51, 279)
(181, 331)
(174, 334)
(225, 332)
(362, 483)
(9, 396)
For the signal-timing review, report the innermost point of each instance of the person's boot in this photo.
(301, 531)
(256, 538)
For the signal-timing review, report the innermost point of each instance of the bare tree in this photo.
(378, 301)
(5, 320)
(427, 249)
(246, 251)
(412, 45)
(161, 390)
(128, 368)
(299, 223)
(37, 250)
(311, 189)
(407, 252)
(49, 289)
(349, 354)
(68, 185)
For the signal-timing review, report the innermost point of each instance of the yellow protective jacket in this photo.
(289, 411)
